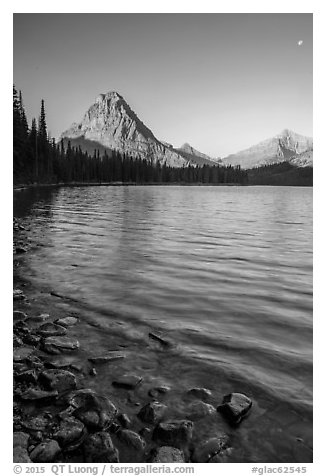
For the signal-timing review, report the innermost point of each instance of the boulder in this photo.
(132, 439)
(22, 353)
(127, 381)
(199, 409)
(28, 376)
(70, 431)
(210, 448)
(95, 411)
(201, 393)
(235, 407)
(38, 394)
(49, 329)
(152, 413)
(37, 423)
(20, 439)
(67, 321)
(58, 379)
(45, 452)
(19, 316)
(20, 455)
(58, 344)
(98, 448)
(176, 433)
(167, 454)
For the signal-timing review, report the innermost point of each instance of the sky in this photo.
(221, 82)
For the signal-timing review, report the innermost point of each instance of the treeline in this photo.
(37, 158)
(283, 173)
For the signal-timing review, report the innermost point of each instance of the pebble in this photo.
(37, 394)
(158, 391)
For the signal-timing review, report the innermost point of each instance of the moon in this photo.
(300, 42)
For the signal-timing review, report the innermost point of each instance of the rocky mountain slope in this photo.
(286, 146)
(111, 123)
(195, 157)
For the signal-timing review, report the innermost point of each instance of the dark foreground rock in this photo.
(58, 379)
(70, 431)
(132, 439)
(176, 433)
(20, 455)
(209, 448)
(45, 452)
(167, 454)
(235, 407)
(152, 413)
(98, 448)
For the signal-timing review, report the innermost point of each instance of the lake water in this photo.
(223, 273)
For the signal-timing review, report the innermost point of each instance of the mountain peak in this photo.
(112, 123)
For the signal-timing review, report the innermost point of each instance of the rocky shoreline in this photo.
(60, 417)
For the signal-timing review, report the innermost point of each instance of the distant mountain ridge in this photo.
(287, 146)
(111, 123)
(196, 157)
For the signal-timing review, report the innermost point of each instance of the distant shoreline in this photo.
(119, 184)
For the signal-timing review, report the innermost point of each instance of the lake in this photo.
(223, 273)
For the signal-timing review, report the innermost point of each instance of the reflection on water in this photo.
(226, 272)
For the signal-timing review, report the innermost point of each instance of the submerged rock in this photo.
(67, 321)
(210, 448)
(58, 344)
(158, 391)
(95, 411)
(159, 339)
(201, 393)
(57, 379)
(127, 381)
(167, 454)
(19, 316)
(18, 295)
(50, 329)
(152, 413)
(45, 452)
(199, 409)
(235, 407)
(110, 356)
(98, 448)
(176, 433)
